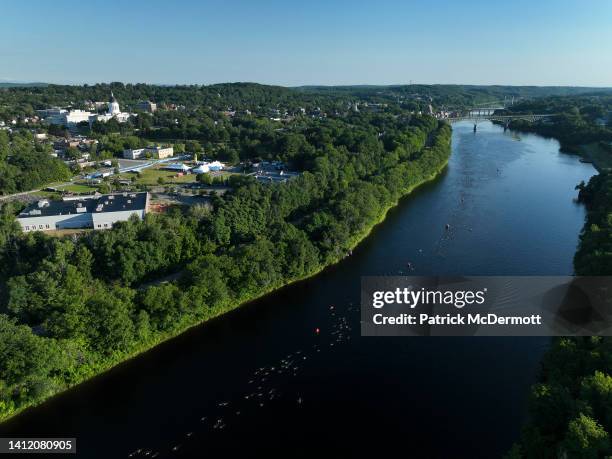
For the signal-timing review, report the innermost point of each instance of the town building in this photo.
(80, 142)
(146, 106)
(114, 112)
(74, 117)
(161, 152)
(154, 152)
(71, 118)
(62, 117)
(97, 212)
(134, 153)
(63, 144)
(54, 115)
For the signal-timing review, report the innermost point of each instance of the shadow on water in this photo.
(291, 373)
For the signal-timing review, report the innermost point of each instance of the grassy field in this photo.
(78, 188)
(151, 176)
(601, 158)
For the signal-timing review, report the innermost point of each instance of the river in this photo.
(261, 379)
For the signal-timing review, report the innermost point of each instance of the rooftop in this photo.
(176, 166)
(90, 204)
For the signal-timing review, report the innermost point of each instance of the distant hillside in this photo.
(22, 85)
(253, 96)
(455, 93)
(525, 91)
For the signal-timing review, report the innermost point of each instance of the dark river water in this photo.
(260, 379)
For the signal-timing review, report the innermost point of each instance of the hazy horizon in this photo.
(34, 82)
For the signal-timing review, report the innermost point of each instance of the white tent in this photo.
(201, 169)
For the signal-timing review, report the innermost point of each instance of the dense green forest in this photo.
(456, 96)
(578, 119)
(594, 255)
(70, 308)
(25, 164)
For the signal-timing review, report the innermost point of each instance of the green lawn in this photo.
(78, 188)
(151, 176)
(53, 184)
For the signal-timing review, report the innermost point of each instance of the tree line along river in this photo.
(290, 372)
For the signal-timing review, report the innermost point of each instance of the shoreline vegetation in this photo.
(582, 124)
(570, 407)
(599, 153)
(74, 310)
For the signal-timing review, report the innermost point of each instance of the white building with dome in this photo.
(74, 117)
(113, 105)
(114, 111)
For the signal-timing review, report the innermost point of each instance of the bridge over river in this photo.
(499, 114)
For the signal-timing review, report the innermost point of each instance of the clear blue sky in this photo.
(535, 42)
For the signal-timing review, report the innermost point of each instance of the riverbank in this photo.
(600, 156)
(596, 152)
(569, 406)
(434, 164)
